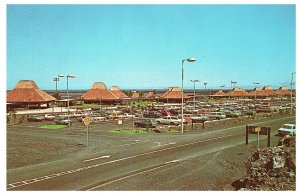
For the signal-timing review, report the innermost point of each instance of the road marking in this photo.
(107, 156)
(159, 145)
(34, 180)
(136, 142)
(135, 174)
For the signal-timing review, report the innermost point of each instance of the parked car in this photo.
(170, 120)
(49, 117)
(216, 115)
(145, 122)
(287, 129)
(127, 115)
(78, 114)
(249, 112)
(165, 112)
(232, 114)
(35, 118)
(200, 118)
(64, 115)
(62, 121)
(151, 114)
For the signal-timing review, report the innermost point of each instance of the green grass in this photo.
(53, 126)
(130, 131)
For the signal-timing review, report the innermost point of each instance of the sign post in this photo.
(257, 129)
(87, 121)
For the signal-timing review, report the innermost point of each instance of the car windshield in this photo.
(287, 126)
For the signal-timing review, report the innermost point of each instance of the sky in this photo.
(142, 46)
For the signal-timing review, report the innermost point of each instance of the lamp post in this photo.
(291, 111)
(205, 85)
(56, 80)
(255, 83)
(68, 76)
(188, 60)
(194, 81)
(233, 82)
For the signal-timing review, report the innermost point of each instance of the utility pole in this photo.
(292, 92)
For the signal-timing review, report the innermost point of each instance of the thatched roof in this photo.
(99, 92)
(237, 92)
(283, 91)
(150, 95)
(219, 93)
(173, 93)
(26, 91)
(135, 95)
(99, 85)
(117, 92)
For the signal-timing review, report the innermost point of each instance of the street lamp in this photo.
(292, 92)
(56, 80)
(188, 60)
(194, 81)
(255, 83)
(205, 85)
(233, 82)
(68, 76)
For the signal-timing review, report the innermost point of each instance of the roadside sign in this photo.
(120, 122)
(257, 129)
(87, 121)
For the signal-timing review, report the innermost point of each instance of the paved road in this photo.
(139, 162)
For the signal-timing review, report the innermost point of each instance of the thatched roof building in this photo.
(220, 93)
(98, 94)
(27, 91)
(117, 92)
(268, 91)
(135, 95)
(237, 92)
(173, 94)
(283, 91)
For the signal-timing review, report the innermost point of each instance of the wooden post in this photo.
(269, 136)
(247, 134)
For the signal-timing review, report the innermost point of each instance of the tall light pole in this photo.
(205, 85)
(188, 60)
(68, 76)
(255, 83)
(233, 82)
(194, 81)
(292, 92)
(56, 80)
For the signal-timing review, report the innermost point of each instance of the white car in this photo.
(216, 115)
(65, 115)
(170, 120)
(287, 129)
(49, 117)
(78, 114)
(127, 115)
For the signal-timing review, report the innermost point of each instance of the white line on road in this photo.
(136, 142)
(107, 156)
(159, 145)
(34, 180)
(135, 174)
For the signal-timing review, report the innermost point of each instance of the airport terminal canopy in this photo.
(27, 91)
(117, 92)
(99, 93)
(173, 93)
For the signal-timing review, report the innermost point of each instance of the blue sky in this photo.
(141, 46)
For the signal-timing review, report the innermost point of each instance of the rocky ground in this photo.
(271, 169)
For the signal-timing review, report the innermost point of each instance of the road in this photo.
(145, 161)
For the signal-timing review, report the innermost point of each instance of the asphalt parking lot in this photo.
(63, 157)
